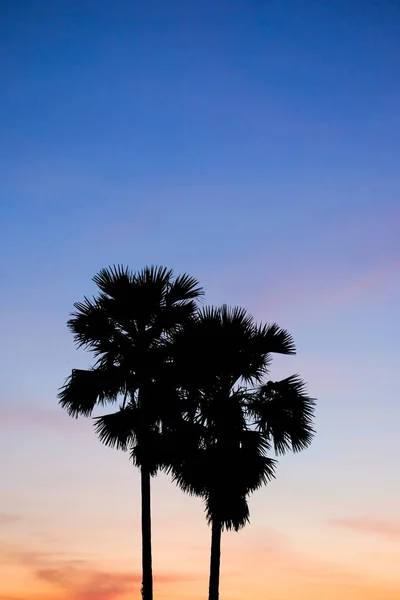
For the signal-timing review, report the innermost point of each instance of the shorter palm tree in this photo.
(229, 427)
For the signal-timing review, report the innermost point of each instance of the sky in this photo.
(254, 145)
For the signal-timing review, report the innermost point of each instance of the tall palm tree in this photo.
(222, 449)
(128, 327)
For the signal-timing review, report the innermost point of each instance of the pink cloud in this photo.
(369, 282)
(24, 415)
(7, 519)
(383, 528)
(267, 565)
(78, 579)
(321, 288)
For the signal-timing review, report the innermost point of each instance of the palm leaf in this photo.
(119, 429)
(274, 339)
(91, 324)
(184, 288)
(114, 281)
(160, 276)
(284, 411)
(86, 388)
(232, 512)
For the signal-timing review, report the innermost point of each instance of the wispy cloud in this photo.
(79, 579)
(8, 519)
(28, 415)
(321, 289)
(256, 563)
(370, 282)
(365, 525)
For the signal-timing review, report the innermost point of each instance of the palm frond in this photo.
(149, 450)
(173, 317)
(154, 275)
(256, 472)
(232, 512)
(285, 413)
(91, 324)
(113, 281)
(236, 317)
(274, 339)
(118, 430)
(209, 313)
(184, 288)
(86, 388)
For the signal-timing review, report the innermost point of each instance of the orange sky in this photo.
(249, 572)
(84, 556)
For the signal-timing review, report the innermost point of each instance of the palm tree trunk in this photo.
(147, 570)
(215, 560)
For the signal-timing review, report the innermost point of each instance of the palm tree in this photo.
(229, 427)
(128, 327)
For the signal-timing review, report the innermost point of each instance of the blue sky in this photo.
(252, 144)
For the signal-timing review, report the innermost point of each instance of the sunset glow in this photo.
(256, 149)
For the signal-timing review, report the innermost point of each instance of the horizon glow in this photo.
(255, 146)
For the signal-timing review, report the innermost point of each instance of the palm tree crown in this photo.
(127, 327)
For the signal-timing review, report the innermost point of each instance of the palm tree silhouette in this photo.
(221, 449)
(128, 327)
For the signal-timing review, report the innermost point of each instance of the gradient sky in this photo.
(255, 145)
